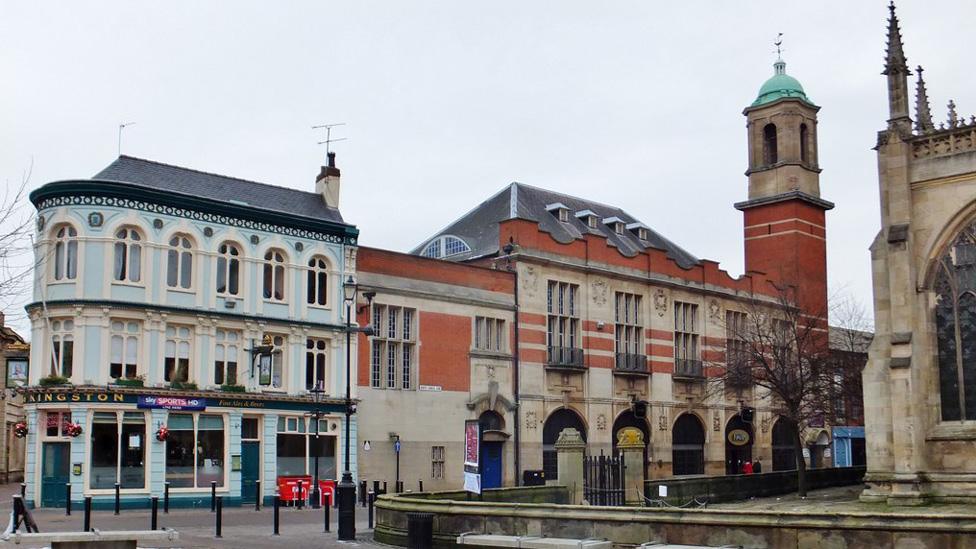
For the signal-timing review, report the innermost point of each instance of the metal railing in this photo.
(565, 356)
(685, 367)
(629, 362)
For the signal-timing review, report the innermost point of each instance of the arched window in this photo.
(433, 249)
(688, 446)
(318, 281)
(770, 151)
(454, 245)
(274, 275)
(316, 353)
(65, 253)
(491, 420)
(955, 324)
(228, 269)
(784, 445)
(445, 246)
(559, 420)
(128, 255)
(804, 144)
(179, 262)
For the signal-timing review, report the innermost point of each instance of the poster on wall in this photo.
(472, 453)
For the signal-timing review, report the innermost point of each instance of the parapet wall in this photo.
(454, 514)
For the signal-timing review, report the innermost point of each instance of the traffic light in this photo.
(640, 408)
(747, 414)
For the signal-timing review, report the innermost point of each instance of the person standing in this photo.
(757, 466)
(747, 468)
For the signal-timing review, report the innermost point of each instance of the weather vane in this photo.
(779, 43)
(328, 135)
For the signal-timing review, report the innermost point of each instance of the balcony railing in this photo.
(631, 363)
(684, 367)
(565, 356)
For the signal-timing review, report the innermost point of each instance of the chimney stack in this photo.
(327, 183)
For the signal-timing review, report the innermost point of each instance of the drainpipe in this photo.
(517, 432)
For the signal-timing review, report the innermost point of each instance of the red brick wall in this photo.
(445, 344)
(373, 260)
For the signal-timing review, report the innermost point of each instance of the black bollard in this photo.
(421, 483)
(369, 512)
(257, 495)
(301, 500)
(67, 499)
(213, 496)
(399, 486)
(23, 490)
(155, 513)
(87, 514)
(384, 487)
(118, 500)
(166, 499)
(328, 506)
(220, 513)
(277, 506)
(376, 488)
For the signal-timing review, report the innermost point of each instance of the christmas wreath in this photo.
(162, 433)
(20, 429)
(72, 429)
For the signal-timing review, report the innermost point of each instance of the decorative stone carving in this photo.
(662, 423)
(660, 302)
(530, 280)
(601, 422)
(598, 290)
(40, 222)
(531, 420)
(158, 223)
(764, 424)
(95, 219)
(714, 309)
(207, 232)
(255, 239)
(716, 422)
(299, 246)
(629, 437)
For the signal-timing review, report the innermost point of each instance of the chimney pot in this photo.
(331, 159)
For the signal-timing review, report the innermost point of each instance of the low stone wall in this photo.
(528, 494)
(726, 488)
(630, 526)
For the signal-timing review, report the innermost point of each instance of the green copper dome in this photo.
(779, 86)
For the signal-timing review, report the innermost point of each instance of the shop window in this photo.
(317, 292)
(195, 450)
(124, 349)
(177, 354)
(179, 262)
(56, 423)
(118, 450)
(62, 347)
(128, 255)
(65, 253)
(226, 353)
(297, 448)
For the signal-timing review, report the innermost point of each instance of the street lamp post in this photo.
(317, 417)
(346, 490)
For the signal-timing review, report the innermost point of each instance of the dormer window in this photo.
(589, 218)
(559, 210)
(640, 230)
(615, 223)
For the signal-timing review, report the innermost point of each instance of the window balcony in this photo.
(688, 368)
(629, 363)
(569, 357)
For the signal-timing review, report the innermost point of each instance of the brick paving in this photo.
(243, 527)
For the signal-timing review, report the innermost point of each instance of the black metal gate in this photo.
(603, 479)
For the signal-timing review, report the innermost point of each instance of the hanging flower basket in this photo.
(72, 429)
(162, 434)
(20, 430)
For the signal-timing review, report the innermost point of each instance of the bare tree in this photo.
(783, 352)
(851, 331)
(16, 263)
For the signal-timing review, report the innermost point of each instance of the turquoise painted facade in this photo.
(122, 317)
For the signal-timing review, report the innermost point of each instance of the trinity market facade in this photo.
(190, 331)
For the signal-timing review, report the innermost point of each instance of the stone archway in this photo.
(688, 446)
(628, 419)
(738, 445)
(562, 418)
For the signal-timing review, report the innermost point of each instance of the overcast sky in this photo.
(636, 104)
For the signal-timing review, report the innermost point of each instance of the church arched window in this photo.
(770, 152)
(955, 322)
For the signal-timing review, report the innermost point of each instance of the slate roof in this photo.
(222, 188)
(479, 227)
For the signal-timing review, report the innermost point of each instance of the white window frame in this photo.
(226, 261)
(395, 345)
(128, 241)
(127, 341)
(196, 443)
(490, 334)
(316, 349)
(177, 340)
(147, 449)
(64, 257)
(274, 279)
(316, 288)
(179, 252)
(226, 351)
(61, 335)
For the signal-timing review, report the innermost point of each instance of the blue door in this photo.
(250, 470)
(491, 464)
(54, 474)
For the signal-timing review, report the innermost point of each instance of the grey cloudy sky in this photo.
(636, 104)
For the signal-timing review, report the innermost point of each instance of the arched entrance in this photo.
(784, 451)
(688, 446)
(555, 423)
(628, 419)
(738, 445)
(492, 442)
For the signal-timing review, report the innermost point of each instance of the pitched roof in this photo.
(479, 227)
(222, 188)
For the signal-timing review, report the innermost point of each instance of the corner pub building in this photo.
(188, 329)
